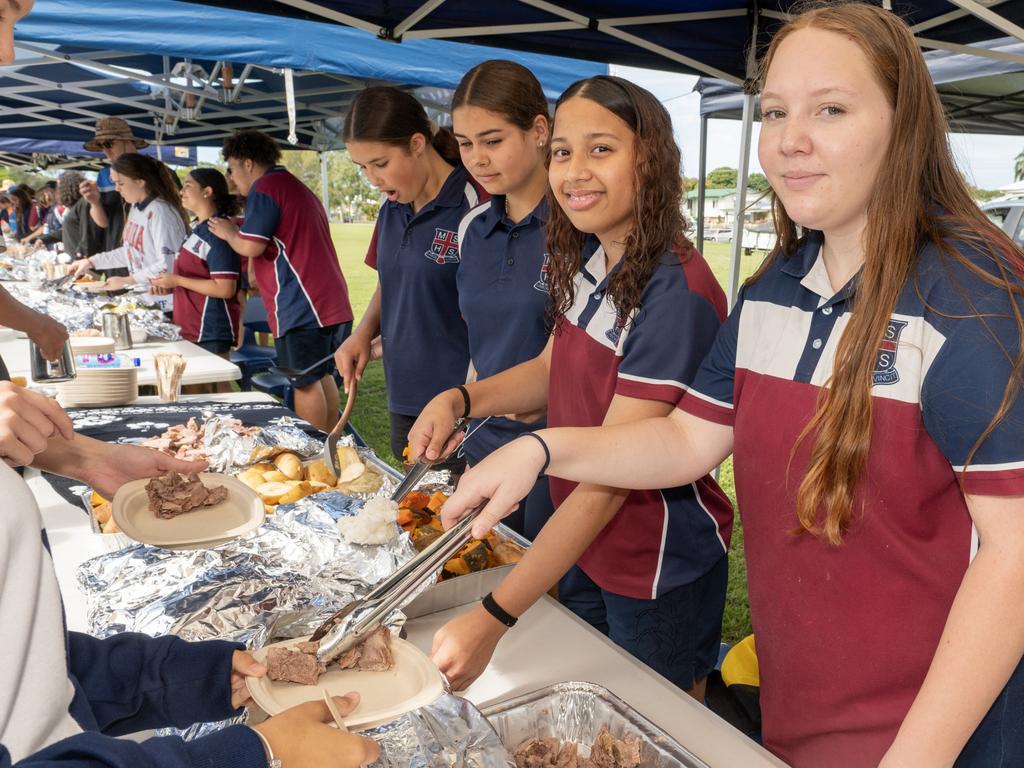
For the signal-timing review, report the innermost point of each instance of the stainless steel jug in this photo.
(117, 327)
(52, 371)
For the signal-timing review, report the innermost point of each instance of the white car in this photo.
(1008, 214)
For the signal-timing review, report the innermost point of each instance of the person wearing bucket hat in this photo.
(113, 138)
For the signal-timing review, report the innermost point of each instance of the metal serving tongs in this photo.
(360, 618)
(423, 465)
(58, 283)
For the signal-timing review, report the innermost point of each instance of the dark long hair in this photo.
(921, 177)
(658, 188)
(224, 202)
(391, 116)
(156, 176)
(22, 209)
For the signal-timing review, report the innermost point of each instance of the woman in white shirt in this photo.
(153, 232)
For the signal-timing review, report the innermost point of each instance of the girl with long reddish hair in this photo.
(868, 386)
(647, 568)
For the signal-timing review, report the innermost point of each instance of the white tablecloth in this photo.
(202, 367)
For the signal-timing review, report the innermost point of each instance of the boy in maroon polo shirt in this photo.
(287, 235)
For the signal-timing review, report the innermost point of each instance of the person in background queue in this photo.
(634, 310)
(415, 250)
(22, 206)
(868, 384)
(287, 236)
(113, 138)
(500, 120)
(39, 215)
(80, 237)
(206, 270)
(154, 232)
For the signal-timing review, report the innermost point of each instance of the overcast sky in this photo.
(986, 160)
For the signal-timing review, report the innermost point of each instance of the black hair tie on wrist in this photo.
(465, 398)
(492, 607)
(547, 453)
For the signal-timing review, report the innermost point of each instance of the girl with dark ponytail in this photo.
(415, 250)
(153, 232)
(206, 270)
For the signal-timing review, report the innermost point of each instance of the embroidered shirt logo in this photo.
(545, 275)
(885, 364)
(445, 248)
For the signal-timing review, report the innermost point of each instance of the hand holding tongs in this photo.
(359, 619)
(420, 468)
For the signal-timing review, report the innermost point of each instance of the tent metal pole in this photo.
(702, 172)
(970, 50)
(416, 17)
(324, 194)
(991, 17)
(342, 18)
(741, 199)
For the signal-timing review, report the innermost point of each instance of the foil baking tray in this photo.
(575, 711)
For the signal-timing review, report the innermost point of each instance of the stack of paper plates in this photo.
(92, 345)
(97, 387)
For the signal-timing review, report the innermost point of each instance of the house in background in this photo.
(720, 211)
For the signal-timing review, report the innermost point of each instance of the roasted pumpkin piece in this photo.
(507, 552)
(457, 566)
(415, 500)
(406, 517)
(436, 501)
(424, 536)
(476, 556)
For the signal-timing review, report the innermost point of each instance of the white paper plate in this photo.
(411, 683)
(96, 286)
(92, 345)
(241, 513)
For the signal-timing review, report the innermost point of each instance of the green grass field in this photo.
(370, 416)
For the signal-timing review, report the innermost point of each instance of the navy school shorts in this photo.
(301, 347)
(678, 634)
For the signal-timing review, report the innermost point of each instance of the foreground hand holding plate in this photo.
(412, 682)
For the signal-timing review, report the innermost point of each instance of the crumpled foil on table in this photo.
(449, 731)
(281, 581)
(226, 450)
(78, 311)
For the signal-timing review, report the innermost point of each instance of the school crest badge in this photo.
(445, 247)
(885, 364)
(545, 273)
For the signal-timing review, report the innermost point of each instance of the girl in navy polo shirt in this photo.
(868, 383)
(500, 119)
(652, 565)
(206, 270)
(415, 250)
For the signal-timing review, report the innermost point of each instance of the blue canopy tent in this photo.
(197, 73)
(187, 75)
(708, 37)
(715, 38)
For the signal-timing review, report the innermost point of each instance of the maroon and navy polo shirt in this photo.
(298, 274)
(203, 256)
(503, 295)
(426, 345)
(845, 634)
(663, 539)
